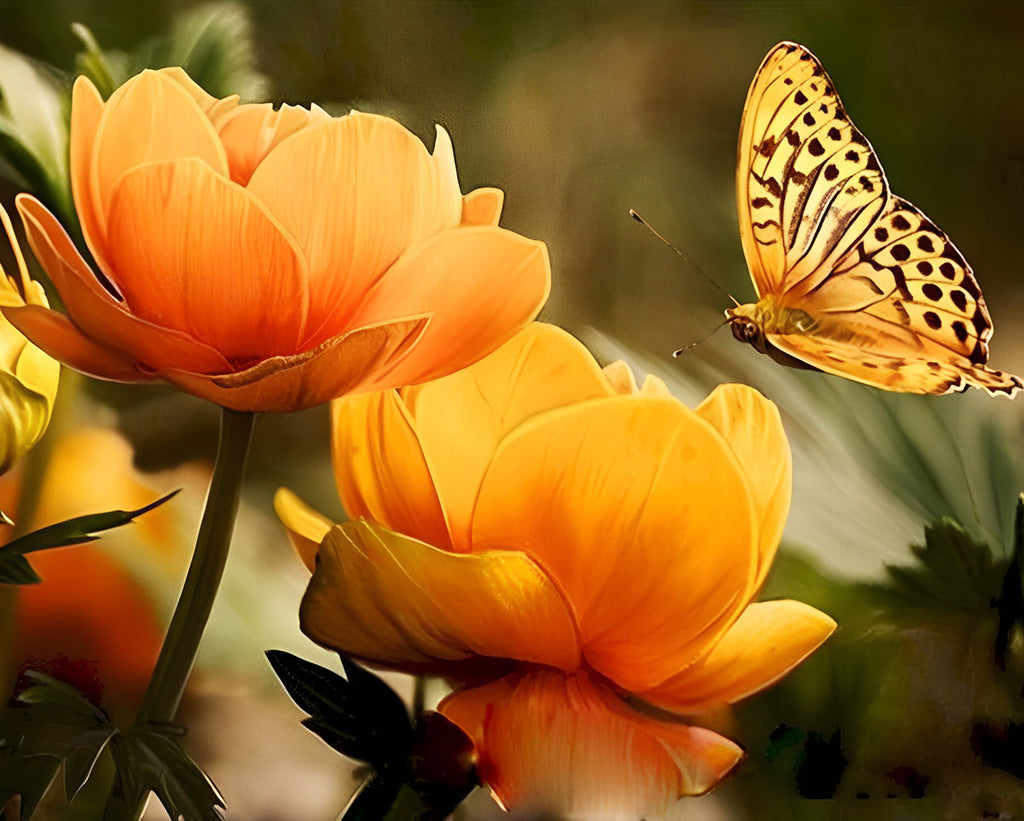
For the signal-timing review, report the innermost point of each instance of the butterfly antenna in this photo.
(705, 338)
(684, 258)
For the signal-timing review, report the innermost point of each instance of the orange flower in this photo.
(563, 547)
(271, 260)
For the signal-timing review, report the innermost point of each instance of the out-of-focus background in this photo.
(581, 110)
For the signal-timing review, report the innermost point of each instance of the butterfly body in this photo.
(851, 279)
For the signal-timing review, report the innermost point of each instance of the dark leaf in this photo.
(81, 755)
(26, 777)
(374, 799)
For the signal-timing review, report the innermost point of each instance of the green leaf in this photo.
(361, 717)
(81, 755)
(150, 759)
(79, 530)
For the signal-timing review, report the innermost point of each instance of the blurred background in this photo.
(581, 110)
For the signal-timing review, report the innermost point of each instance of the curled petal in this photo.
(650, 495)
(539, 369)
(568, 745)
(480, 284)
(341, 365)
(389, 599)
(306, 527)
(250, 132)
(380, 468)
(751, 426)
(482, 206)
(767, 641)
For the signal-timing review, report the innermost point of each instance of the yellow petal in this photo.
(481, 285)
(306, 527)
(654, 386)
(383, 191)
(639, 512)
(290, 383)
(380, 468)
(250, 132)
(460, 418)
(753, 429)
(767, 641)
(202, 257)
(395, 601)
(569, 746)
(482, 206)
(150, 119)
(621, 377)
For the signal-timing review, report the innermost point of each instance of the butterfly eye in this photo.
(745, 330)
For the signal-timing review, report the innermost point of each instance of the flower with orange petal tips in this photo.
(28, 377)
(563, 547)
(271, 260)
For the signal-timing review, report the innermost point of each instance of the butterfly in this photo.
(851, 279)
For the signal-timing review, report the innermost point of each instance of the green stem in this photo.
(204, 573)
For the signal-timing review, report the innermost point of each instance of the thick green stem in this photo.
(204, 573)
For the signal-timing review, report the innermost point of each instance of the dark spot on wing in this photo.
(933, 321)
(960, 330)
(792, 138)
(835, 134)
(924, 242)
(808, 119)
(760, 202)
(831, 172)
(947, 270)
(815, 147)
(800, 98)
(900, 223)
(924, 267)
(932, 291)
(852, 156)
(881, 234)
(900, 252)
(959, 299)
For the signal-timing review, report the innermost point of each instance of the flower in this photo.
(576, 555)
(28, 377)
(270, 260)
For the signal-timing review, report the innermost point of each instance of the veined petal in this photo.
(649, 494)
(389, 599)
(482, 206)
(752, 427)
(767, 641)
(306, 527)
(380, 467)
(384, 193)
(150, 119)
(207, 260)
(480, 284)
(252, 131)
(99, 316)
(289, 383)
(459, 419)
(570, 746)
(86, 112)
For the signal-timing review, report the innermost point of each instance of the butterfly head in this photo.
(747, 325)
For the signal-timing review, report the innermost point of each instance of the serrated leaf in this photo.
(361, 717)
(14, 569)
(150, 759)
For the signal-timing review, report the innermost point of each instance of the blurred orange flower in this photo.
(571, 552)
(271, 260)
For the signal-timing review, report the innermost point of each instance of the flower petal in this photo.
(653, 498)
(459, 419)
(380, 468)
(570, 746)
(339, 366)
(205, 259)
(481, 285)
(386, 598)
(752, 427)
(151, 118)
(766, 642)
(621, 377)
(383, 191)
(99, 316)
(86, 112)
(482, 206)
(252, 131)
(306, 527)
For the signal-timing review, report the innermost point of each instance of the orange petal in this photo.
(459, 419)
(306, 527)
(339, 366)
(395, 601)
(383, 192)
(206, 101)
(196, 254)
(767, 641)
(620, 375)
(86, 111)
(753, 429)
(380, 468)
(480, 284)
(567, 745)
(639, 512)
(98, 315)
(151, 118)
(482, 206)
(251, 131)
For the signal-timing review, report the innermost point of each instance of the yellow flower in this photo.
(271, 260)
(28, 377)
(563, 547)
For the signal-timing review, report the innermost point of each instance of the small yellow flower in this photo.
(563, 547)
